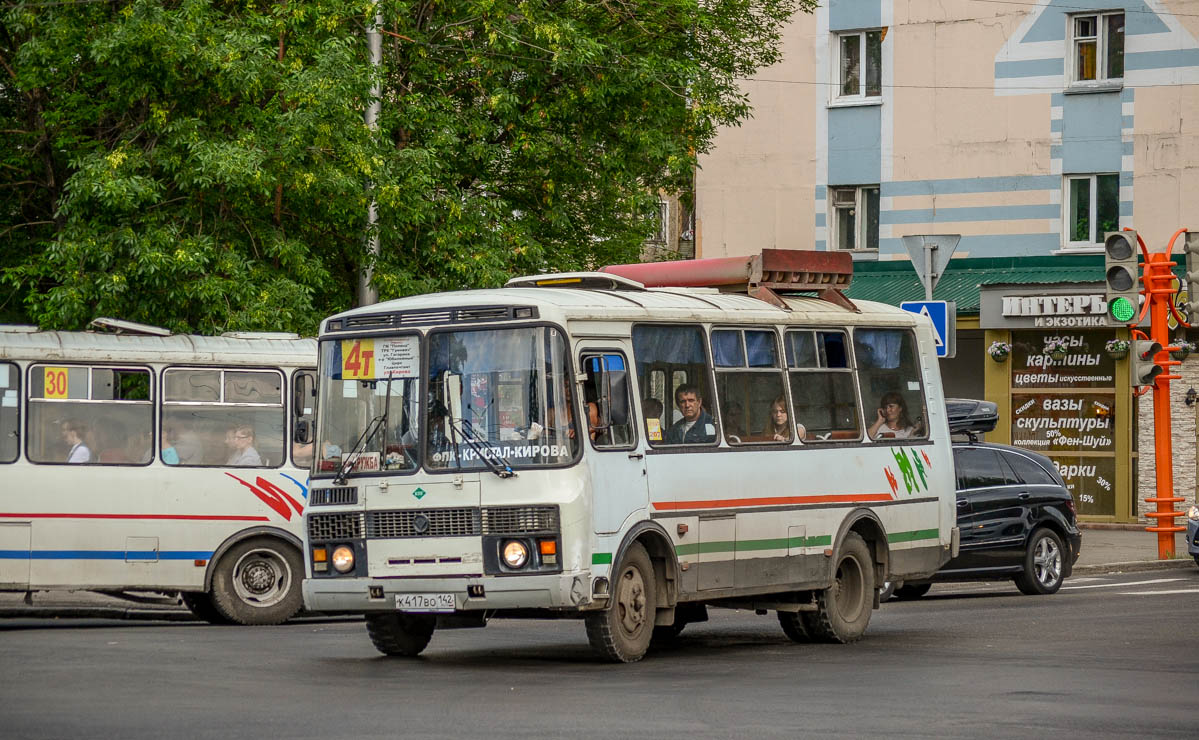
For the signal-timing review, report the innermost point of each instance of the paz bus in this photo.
(629, 447)
(143, 462)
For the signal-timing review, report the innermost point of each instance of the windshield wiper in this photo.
(494, 462)
(373, 426)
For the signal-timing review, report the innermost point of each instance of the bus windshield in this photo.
(499, 393)
(368, 420)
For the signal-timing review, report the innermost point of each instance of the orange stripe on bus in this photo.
(772, 501)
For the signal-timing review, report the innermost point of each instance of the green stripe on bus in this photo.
(919, 534)
(778, 543)
(601, 558)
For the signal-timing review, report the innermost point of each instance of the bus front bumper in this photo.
(361, 595)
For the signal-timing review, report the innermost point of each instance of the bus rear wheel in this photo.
(258, 582)
(843, 609)
(400, 634)
(200, 604)
(622, 632)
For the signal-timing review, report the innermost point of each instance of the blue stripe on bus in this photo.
(105, 555)
(303, 488)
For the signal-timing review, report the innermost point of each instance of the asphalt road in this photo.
(1109, 656)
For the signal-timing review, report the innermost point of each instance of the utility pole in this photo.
(367, 294)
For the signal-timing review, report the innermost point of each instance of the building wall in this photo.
(972, 133)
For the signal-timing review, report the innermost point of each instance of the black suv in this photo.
(1016, 517)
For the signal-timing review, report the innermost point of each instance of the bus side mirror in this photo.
(303, 432)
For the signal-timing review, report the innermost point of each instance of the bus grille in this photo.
(462, 522)
(341, 526)
(520, 519)
(333, 496)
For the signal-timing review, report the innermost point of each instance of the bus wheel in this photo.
(396, 633)
(622, 632)
(843, 609)
(793, 626)
(258, 582)
(200, 604)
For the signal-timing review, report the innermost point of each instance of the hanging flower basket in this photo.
(1117, 349)
(999, 351)
(1184, 348)
(1055, 347)
(1058, 354)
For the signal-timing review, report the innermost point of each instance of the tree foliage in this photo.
(204, 164)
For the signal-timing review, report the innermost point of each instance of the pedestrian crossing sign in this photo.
(943, 315)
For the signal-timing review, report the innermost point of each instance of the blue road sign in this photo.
(943, 314)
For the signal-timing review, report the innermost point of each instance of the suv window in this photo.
(1027, 470)
(978, 468)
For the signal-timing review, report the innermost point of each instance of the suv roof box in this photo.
(967, 415)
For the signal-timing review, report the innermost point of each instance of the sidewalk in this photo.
(1105, 549)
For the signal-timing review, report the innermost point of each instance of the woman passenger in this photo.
(778, 428)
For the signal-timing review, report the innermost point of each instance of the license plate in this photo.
(425, 602)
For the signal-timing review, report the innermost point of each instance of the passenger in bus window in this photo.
(180, 447)
(777, 427)
(696, 425)
(242, 442)
(73, 433)
(892, 421)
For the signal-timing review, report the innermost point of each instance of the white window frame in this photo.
(1093, 211)
(860, 204)
(663, 223)
(860, 97)
(1102, 80)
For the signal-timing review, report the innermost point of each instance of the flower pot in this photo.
(1180, 355)
(1117, 354)
(1058, 354)
(999, 356)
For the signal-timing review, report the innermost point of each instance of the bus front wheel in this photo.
(622, 632)
(258, 582)
(399, 634)
(200, 604)
(843, 609)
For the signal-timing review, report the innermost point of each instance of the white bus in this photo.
(152, 462)
(583, 445)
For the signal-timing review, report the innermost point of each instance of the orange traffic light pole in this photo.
(1158, 279)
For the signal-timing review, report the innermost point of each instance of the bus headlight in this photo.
(343, 559)
(515, 554)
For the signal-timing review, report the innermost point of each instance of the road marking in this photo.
(1150, 593)
(1123, 585)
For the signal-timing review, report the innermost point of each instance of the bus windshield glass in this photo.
(499, 395)
(368, 420)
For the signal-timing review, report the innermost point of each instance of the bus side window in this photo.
(890, 383)
(10, 416)
(90, 415)
(606, 397)
(823, 392)
(681, 353)
(217, 418)
(303, 414)
(749, 384)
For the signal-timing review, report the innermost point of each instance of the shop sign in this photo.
(1046, 422)
(1009, 307)
(1091, 480)
(1084, 363)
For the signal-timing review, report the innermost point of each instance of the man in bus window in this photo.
(242, 442)
(73, 432)
(696, 426)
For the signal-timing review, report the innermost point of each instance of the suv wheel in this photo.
(1044, 561)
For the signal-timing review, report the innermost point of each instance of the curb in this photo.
(1134, 566)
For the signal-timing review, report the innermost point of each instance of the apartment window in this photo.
(661, 222)
(1092, 208)
(861, 64)
(855, 217)
(1098, 47)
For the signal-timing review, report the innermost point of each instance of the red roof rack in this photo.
(765, 276)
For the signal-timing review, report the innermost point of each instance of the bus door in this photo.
(615, 454)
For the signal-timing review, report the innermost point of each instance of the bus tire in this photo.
(400, 635)
(622, 632)
(793, 626)
(257, 581)
(911, 592)
(843, 609)
(200, 604)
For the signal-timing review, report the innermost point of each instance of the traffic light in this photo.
(1121, 277)
(1142, 368)
(1191, 247)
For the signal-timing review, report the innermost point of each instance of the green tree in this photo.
(204, 165)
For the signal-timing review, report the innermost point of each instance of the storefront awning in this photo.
(895, 282)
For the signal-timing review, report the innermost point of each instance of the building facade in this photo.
(1030, 129)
